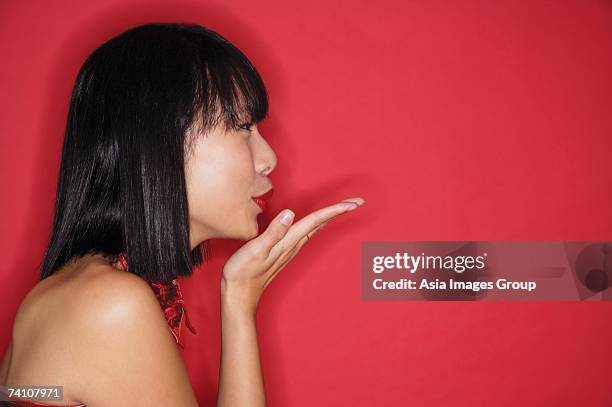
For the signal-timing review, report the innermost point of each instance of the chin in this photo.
(248, 232)
(245, 231)
(254, 231)
(251, 233)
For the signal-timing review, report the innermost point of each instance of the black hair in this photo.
(138, 102)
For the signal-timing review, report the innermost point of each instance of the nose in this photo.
(265, 158)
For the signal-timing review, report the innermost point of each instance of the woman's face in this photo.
(224, 171)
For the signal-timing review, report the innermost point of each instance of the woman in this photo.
(161, 154)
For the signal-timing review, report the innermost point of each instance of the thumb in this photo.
(278, 227)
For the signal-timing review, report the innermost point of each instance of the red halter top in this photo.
(171, 301)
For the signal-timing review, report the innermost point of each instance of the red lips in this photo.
(261, 199)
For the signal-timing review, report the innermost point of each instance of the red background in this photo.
(454, 120)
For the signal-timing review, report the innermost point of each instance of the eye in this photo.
(246, 126)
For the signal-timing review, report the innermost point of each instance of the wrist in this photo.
(238, 300)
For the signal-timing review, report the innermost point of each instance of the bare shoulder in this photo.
(102, 333)
(126, 343)
(111, 295)
(83, 299)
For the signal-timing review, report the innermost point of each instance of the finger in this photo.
(280, 264)
(276, 230)
(310, 234)
(285, 255)
(291, 253)
(308, 223)
(356, 200)
(288, 255)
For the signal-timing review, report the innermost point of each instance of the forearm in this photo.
(240, 377)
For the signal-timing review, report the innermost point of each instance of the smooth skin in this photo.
(102, 334)
(245, 275)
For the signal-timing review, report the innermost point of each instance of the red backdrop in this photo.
(454, 120)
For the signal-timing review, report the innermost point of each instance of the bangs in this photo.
(229, 93)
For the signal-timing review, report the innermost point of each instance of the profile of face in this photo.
(223, 172)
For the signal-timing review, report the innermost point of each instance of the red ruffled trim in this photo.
(171, 301)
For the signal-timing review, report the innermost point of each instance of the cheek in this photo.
(219, 186)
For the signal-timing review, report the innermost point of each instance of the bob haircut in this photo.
(138, 102)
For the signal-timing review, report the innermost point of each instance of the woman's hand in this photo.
(249, 271)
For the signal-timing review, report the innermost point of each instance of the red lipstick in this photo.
(261, 199)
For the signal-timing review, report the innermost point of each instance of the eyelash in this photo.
(246, 126)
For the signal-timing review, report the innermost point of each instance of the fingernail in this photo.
(287, 217)
(360, 201)
(352, 207)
